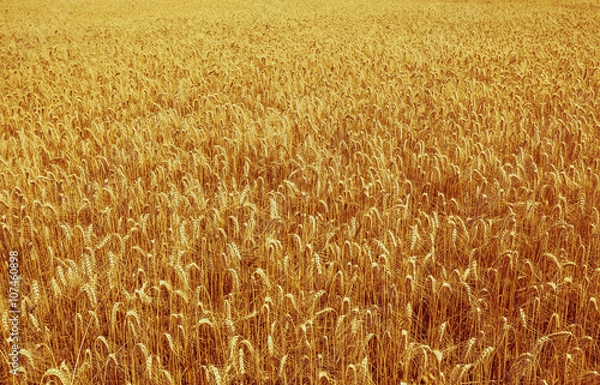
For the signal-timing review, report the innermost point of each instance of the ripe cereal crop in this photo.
(300, 192)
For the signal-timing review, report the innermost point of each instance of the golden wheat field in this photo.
(299, 192)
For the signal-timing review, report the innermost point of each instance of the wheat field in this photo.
(308, 192)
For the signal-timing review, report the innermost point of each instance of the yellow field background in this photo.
(306, 192)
